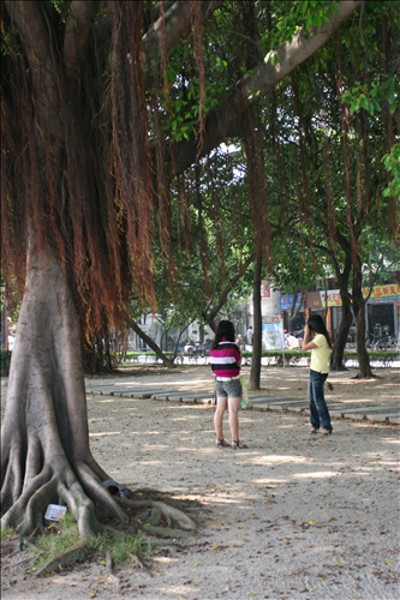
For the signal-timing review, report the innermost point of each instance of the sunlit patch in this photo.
(316, 475)
(280, 458)
(358, 401)
(271, 482)
(104, 434)
(165, 560)
(225, 499)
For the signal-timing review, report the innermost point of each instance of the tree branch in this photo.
(209, 316)
(224, 120)
(149, 341)
(27, 15)
(175, 24)
(77, 34)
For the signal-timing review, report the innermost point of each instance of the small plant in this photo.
(6, 533)
(124, 549)
(57, 539)
(60, 546)
(5, 359)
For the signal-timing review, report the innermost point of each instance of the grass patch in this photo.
(6, 533)
(60, 546)
(57, 539)
(123, 549)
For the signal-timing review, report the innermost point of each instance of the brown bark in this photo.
(364, 367)
(295, 308)
(77, 35)
(174, 26)
(255, 371)
(337, 362)
(45, 454)
(31, 25)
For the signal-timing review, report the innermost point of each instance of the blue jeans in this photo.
(319, 414)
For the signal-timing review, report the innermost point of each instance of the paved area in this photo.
(371, 401)
(196, 385)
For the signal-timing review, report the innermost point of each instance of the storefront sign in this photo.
(380, 293)
(286, 302)
(265, 290)
(384, 293)
(331, 298)
(313, 300)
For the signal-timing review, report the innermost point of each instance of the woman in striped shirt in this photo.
(225, 362)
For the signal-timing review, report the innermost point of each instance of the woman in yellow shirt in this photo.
(316, 339)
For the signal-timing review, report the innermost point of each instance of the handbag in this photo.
(245, 401)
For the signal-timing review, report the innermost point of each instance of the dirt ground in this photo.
(293, 517)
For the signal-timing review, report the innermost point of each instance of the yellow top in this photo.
(320, 355)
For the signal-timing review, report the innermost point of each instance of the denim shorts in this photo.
(228, 389)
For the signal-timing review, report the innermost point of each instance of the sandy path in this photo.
(293, 517)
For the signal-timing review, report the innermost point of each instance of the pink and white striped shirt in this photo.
(225, 359)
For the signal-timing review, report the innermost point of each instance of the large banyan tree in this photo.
(85, 171)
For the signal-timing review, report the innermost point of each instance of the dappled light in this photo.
(316, 475)
(158, 160)
(309, 502)
(281, 459)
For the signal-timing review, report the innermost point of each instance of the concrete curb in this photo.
(357, 415)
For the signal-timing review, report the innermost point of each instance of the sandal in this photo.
(238, 445)
(313, 430)
(222, 443)
(325, 431)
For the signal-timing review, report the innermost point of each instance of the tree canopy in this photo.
(105, 105)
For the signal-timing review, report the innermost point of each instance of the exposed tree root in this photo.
(372, 376)
(167, 531)
(78, 552)
(80, 489)
(171, 513)
(45, 453)
(137, 562)
(156, 510)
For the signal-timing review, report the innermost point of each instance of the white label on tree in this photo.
(55, 512)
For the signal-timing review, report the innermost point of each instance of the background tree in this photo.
(343, 105)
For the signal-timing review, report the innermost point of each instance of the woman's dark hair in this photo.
(317, 325)
(225, 331)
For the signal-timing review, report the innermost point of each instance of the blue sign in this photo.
(286, 302)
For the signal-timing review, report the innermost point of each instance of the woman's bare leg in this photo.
(219, 417)
(233, 406)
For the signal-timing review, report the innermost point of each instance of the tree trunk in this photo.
(255, 371)
(337, 362)
(45, 454)
(150, 342)
(364, 367)
(295, 310)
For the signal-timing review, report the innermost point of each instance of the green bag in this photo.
(245, 401)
